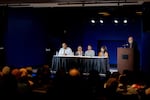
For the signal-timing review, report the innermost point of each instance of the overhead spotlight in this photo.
(93, 21)
(101, 21)
(116, 21)
(125, 21)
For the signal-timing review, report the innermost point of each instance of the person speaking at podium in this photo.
(132, 44)
(65, 50)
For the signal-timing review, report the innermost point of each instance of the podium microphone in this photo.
(125, 45)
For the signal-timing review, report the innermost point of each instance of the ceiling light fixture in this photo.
(104, 13)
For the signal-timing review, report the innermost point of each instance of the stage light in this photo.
(93, 21)
(101, 21)
(125, 21)
(116, 21)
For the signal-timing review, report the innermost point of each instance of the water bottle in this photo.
(56, 53)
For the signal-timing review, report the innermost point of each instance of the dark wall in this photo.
(3, 28)
(146, 39)
(30, 31)
(145, 52)
(25, 40)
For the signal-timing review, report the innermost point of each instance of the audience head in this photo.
(108, 74)
(46, 66)
(23, 72)
(111, 83)
(29, 71)
(94, 73)
(46, 70)
(147, 91)
(115, 75)
(61, 72)
(1, 73)
(15, 72)
(74, 72)
(6, 70)
(123, 79)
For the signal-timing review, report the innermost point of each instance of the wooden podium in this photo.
(125, 59)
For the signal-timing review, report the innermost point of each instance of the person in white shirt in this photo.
(89, 51)
(65, 50)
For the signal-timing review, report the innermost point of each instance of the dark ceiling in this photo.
(72, 1)
(65, 1)
(126, 10)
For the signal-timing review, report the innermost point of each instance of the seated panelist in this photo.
(103, 52)
(65, 50)
(89, 51)
(79, 51)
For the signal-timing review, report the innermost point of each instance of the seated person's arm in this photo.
(99, 54)
(61, 52)
(106, 54)
(70, 52)
(93, 53)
